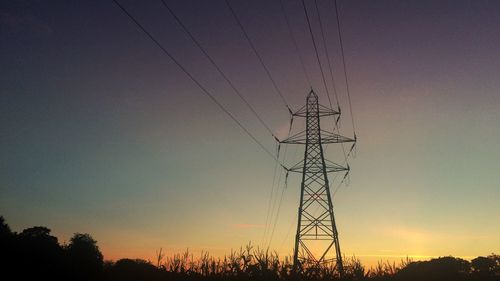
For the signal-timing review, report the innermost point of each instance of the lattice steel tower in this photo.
(317, 237)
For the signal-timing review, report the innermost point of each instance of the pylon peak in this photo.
(312, 94)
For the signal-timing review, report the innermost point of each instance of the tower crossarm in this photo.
(330, 167)
(329, 137)
(326, 138)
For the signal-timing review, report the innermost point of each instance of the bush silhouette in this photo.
(131, 270)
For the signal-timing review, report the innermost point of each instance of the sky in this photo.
(104, 134)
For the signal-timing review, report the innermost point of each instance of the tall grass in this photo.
(249, 263)
(255, 263)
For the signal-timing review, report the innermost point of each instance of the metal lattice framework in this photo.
(316, 223)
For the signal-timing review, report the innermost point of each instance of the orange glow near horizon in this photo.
(368, 260)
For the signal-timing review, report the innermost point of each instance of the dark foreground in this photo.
(34, 254)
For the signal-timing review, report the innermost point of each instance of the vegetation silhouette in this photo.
(34, 254)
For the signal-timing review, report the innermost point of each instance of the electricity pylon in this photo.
(317, 237)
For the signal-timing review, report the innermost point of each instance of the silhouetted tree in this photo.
(7, 246)
(486, 268)
(39, 254)
(445, 268)
(4, 229)
(483, 265)
(84, 257)
(496, 258)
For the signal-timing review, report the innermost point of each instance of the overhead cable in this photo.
(204, 90)
(294, 41)
(276, 88)
(339, 30)
(327, 54)
(316, 52)
(197, 43)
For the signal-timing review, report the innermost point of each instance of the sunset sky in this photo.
(101, 133)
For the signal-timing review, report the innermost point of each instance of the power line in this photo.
(271, 195)
(326, 51)
(346, 156)
(278, 211)
(280, 201)
(270, 209)
(273, 206)
(277, 189)
(316, 51)
(197, 43)
(335, 124)
(234, 88)
(294, 41)
(257, 54)
(205, 91)
(344, 65)
(288, 232)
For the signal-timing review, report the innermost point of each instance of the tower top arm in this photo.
(325, 138)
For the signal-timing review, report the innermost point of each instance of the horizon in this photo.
(369, 261)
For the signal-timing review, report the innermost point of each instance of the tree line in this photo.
(35, 254)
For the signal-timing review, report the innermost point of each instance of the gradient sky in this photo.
(102, 133)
